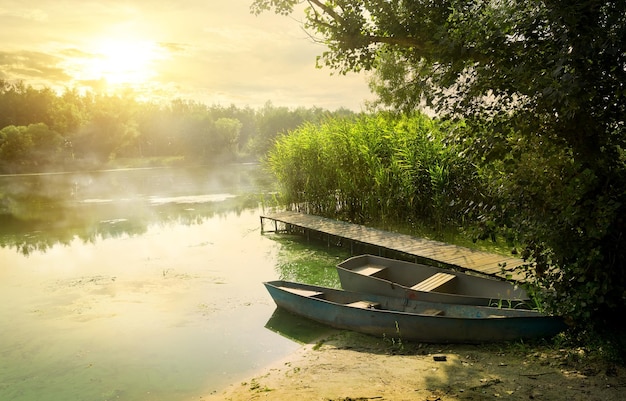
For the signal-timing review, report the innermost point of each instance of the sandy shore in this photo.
(348, 366)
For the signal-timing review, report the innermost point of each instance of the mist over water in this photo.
(138, 285)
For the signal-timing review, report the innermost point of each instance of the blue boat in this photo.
(411, 320)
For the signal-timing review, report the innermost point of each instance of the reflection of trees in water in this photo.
(35, 223)
(309, 262)
(41, 210)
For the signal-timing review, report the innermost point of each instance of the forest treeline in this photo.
(41, 130)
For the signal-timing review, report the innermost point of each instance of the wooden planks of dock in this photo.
(420, 249)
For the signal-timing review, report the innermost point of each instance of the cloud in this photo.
(174, 47)
(33, 14)
(32, 66)
(210, 51)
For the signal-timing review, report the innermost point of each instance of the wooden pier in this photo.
(388, 244)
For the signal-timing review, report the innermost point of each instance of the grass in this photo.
(256, 386)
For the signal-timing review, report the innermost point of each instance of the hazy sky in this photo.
(212, 51)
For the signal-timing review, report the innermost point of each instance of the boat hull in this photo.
(395, 278)
(409, 319)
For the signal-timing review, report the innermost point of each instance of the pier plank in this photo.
(439, 252)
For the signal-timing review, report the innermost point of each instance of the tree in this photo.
(14, 147)
(22, 104)
(29, 148)
(541, 87)
(272, 121)
(111, 129)
(226, 135)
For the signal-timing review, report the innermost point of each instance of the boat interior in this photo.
(438, 282)
(360, 303)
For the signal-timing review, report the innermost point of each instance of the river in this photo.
(143, 284)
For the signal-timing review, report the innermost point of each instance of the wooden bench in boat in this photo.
(369, 270)
(432, 312)
(433, 282)
(364, 304)
(304, 293)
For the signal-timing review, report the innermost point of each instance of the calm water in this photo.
(143, 284)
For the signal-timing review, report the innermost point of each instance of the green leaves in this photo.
(540, 88)
(282, 7)
(29, 148)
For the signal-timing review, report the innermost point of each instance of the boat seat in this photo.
(369, 270)
(364, 304)
(434, 282)
(432, 312)
(304, 293)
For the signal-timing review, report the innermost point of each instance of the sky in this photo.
(211, 51)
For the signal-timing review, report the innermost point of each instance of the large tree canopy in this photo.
(544, 84)
(560, 60)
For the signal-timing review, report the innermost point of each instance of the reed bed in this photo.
(380, 167)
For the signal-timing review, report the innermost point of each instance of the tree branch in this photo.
(332, 13)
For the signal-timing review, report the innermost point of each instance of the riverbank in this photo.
(348, 366)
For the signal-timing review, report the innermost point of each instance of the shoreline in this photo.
(347, 366)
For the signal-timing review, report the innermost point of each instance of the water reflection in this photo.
(141, 285)
(309, 262)
(39, 211)
(295, 327)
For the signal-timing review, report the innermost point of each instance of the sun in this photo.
(125, 62)
(119, 63)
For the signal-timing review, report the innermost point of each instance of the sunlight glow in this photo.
(119, 63)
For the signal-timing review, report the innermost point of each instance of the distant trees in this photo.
(271, 121)
(24, 148)
(226, 135)
(41, 130)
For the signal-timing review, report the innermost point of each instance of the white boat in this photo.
(396, 278)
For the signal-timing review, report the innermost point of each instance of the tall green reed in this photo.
(377, 167)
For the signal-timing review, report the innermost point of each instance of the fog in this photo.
(142, 285)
